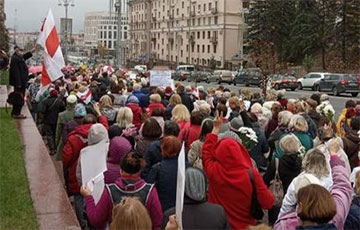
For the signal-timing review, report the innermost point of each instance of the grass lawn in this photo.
(16, 205)
(4, 77)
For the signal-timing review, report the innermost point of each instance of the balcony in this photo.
(214, 10)
(214, 40)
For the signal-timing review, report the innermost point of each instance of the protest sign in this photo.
(180, 188)
(161, 78)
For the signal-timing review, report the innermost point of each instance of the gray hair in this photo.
(124, 117)
(315, 163)
(137, 87)
(298, 123)
(290, 144)
(284, 117)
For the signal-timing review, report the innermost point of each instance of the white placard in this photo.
(93, 165)
(180, 187)
(161, 78)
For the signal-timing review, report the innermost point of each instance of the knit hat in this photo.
(195, 184)
(236, 123)
(168, 91)
(119, 146)
(305, 179)
(97, 133)
(79, 110)
(72, 99)
(132, 99)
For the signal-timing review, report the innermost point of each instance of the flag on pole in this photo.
(180, 188)
(53, 57)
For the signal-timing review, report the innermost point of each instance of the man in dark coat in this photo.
(18, 77)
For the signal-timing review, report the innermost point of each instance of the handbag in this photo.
(276, 186)
(15, 98)
(255, 209)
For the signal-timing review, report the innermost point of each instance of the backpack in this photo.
(276, 186)
(117, 194)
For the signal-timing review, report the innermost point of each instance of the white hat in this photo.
(72, 99)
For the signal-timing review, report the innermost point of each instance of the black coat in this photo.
(200, 216)
(152, 157)
(289, 168)
(19, 73)
(186, 100)
(262, 147)
(52, 107)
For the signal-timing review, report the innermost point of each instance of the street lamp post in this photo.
(66, 4)
(119, 58)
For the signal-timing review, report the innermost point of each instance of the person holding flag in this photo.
(19, 75)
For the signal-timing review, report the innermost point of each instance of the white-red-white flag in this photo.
(53, 57)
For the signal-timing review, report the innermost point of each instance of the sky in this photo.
(30, 13)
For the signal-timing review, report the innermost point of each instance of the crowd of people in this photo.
(245, 153)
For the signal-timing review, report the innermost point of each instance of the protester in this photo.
(191, 134)
(181, 116)
(226, 164)
(133, 104)
(302, 108)
(197, 213)
(53, 105)
(106, 108)
(353, 218)
(174, 100)
(163, 174)
(195, 152)
(150, 132)
(185, 98)
(18, 77)
(119, 146)
(273, 123)
(155, 102)
(63, 119)
(129, 184)
(344, 120)
(351, 142)
(258, 111)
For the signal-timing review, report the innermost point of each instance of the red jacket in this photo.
(136, 109)
(226, 165)
(153, 106)
(189, 135)
(77, 140)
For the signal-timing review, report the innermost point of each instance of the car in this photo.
(221, 76)
(279, 81)
(340, 83)
(184, 71)
(253, 77)
(240, 77)
(310, 80)
(199, 76)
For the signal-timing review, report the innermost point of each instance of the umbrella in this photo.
(35, 69)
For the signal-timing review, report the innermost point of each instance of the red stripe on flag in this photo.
(52, 42)
(45, 79)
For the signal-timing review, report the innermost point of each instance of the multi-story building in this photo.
(187, 31)
(101, 28)
(2, 11)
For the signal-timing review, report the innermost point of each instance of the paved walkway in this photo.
(51, 203)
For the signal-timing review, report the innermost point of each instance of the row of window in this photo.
(108, 35)
(199, 51)
(110, 27)
(200, 6)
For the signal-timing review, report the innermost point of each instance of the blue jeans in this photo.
(80, 210)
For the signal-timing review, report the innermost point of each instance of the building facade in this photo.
(187, 31)
(101, 29)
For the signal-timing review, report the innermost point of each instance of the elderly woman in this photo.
(258, 110)
(353, 218)
(284, 118)
(303, 108)
(288, 167)
(180, 114)
(155, 102)
(276, 108)
(175, 100)
(311, 206)
(191, 134)
(299, 127)
(150, 132)
(164, 173)
(228, 167)
(315, 164)
(133, 103)
(106, 108)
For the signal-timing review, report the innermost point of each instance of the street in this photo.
(338, 102)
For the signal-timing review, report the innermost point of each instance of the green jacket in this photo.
(64, 117)
(304, 138)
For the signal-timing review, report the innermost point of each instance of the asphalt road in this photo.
(338, 102)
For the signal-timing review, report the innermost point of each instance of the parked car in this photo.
(279, 81)
(221, 76)
(240, 77)
(199, 76)
(253, 76)
(310, 80)
(183, 72)
(340, 83)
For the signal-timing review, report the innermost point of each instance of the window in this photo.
(199, 7)
(187, 48)
(334, 77)
(181, 53)
(209, 5)
(177, 11)
(209, 20)
(315, 76)
(198, 34)
(162, 52)
(125, 35)
(216, 20)
(204, 7)
(215, 46)
(203, 48)
(209, 34)
(105, 34)
(208, 48)
(162, 41)
(110, 45)
(203, 34)
(110, 35)
(192, 48)
(182, 5)
(198, 48)
(199, 21)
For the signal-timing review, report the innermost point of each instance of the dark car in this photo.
(340, 83)
(199, 76)
(283, 82)
(253, 77)
(240, 77)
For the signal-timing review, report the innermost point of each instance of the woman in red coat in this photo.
(226, 163)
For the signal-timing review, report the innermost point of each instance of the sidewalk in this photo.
(53, 208)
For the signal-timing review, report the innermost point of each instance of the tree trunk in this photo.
(323, 53)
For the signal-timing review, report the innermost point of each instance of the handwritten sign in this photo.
(161, 78)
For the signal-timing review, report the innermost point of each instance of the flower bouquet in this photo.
(327, 110)
(248, 138)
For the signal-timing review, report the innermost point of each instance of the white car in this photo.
(310, 80)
